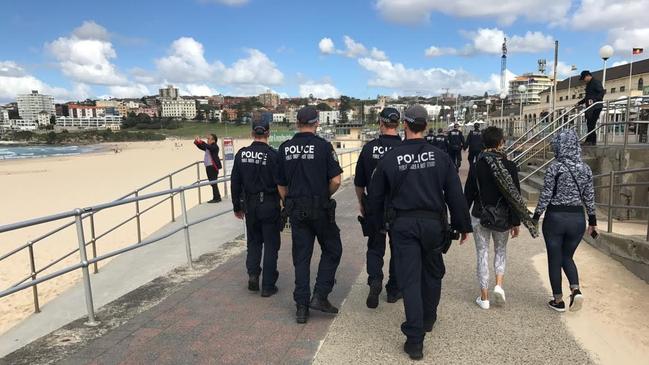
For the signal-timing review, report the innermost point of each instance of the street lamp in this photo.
(503, 96)
(474, 107)
(605, 53)
(488, 103)
(573, 68)
(522, 89)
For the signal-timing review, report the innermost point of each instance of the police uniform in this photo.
(370, 155)
(455, 145)
(254, 190)
(307, 164)
(474, 145)
(416, 183)
(440, 141)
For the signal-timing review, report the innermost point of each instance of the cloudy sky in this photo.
(78, 49)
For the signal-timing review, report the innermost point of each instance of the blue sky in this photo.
(77, 49)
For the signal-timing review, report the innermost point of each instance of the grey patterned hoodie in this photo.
(568, 160)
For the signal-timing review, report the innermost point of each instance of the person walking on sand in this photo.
(567, 188)
(493, 189)
(212, 162)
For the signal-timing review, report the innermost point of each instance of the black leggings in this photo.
(563, 232)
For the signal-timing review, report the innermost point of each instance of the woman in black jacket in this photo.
(212, 162)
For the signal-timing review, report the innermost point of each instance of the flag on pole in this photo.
(637, 51)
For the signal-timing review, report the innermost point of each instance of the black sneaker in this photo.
(373, 297)
(302, 313)
(394, 297)
(321, 303)
(253, 282)
(576, 300)
(559, 307)
(414, 350)
(267, 292)
(429, 324)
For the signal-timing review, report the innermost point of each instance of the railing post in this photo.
(137, 219)
(84, 270)
(32, 266)
(93, 241)
(198, 179)
(188, 246)
(171, 198)
(611, 181)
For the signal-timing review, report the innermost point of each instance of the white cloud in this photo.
(85, 56)
(607, 14)
(432, 81)
(197, 90)
(377, 54)
(564, 70)
(353, 48)
(257, 68)
(490, 40)
(327, 46)
(129, 91)
(186, 62)
(623, 39)
(619, 63)
(506, 12)
(318, 90)
(15, 80)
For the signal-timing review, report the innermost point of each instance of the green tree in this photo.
(323, 107)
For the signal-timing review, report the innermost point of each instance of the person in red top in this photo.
(212, 162)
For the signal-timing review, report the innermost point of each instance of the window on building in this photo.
(640, 84)
(561, 98)
(581, 96)
(574, 96)
(622, 89)
(547, 99)
(612, 90)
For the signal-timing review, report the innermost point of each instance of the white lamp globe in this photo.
(606, 52)
(522, 88)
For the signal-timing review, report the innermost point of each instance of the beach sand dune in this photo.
(38, 187)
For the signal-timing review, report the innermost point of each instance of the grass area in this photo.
(190, 130)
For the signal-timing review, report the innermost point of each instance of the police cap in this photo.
(390, 116)
(416, 114)
(262, 126)
(307, 115)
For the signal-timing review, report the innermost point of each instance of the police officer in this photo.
(367, 160)
(308, 175)
(474, 144)
(430, 137)
(440, 140)
(416, 183)
(254, 191)
(455, 145)
(594, 93)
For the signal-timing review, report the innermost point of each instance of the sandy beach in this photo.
(42, 186)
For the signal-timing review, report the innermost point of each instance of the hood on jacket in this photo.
(566, 146)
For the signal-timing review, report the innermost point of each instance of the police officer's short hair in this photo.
(492, 137)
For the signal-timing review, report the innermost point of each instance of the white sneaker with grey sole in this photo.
(499, 295)
(484, 304)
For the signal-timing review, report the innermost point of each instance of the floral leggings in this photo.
(481, 236)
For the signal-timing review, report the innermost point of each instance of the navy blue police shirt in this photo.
(306, 164)
(431, 185)
(455, 139)
(474, 141)
(254, 171)
(370, 155)
(440, 141)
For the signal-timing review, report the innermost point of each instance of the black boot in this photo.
(394, 297)
(267, 292)
(373, 296)
(321, 303)
(253, 282)
(414, 350)
(302, 313)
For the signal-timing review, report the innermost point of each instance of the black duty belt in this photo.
(420, 214)
(261, 196)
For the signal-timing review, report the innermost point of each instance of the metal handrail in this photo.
(539, 132)
(85, 262)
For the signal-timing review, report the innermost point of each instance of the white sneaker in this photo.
(484, 304)
(499, 295)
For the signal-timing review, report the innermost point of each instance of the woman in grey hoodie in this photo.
(567, 188)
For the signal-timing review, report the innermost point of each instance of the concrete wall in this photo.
(605, 159)
(632, 252)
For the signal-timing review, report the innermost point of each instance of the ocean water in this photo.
(20, 152)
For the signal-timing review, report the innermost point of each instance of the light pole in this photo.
(573, 68)
(522, 89)
(474, 107)
(503, 96)
(488, 103)
(605, 53)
